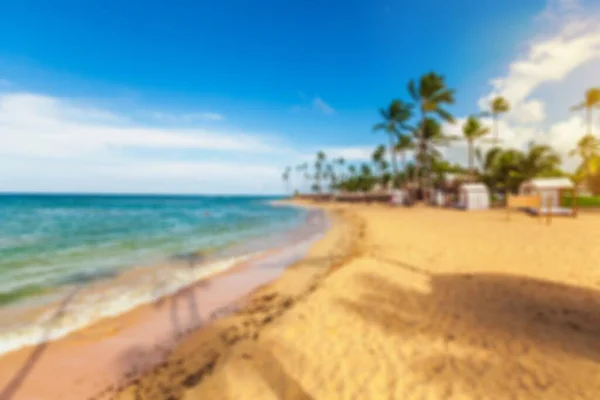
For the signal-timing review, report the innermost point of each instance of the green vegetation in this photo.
(582, 201)
(591, 101)
(415, 132)
(473, 130)
(498, 107)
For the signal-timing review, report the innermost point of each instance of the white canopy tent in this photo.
(551, 192)
(473, 196)
(398, 196)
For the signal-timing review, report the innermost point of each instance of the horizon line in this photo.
(34, 193)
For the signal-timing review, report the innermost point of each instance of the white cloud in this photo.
(529, 112)
(538, 80)
(36, 125)
(186, 118)
(320, 105)
(556, 9)
(548, 60)
(53, 144)
(356, 153)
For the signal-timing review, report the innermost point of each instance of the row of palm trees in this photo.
(588, 147)
(415, 127)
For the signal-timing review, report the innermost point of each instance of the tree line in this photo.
(415, 127)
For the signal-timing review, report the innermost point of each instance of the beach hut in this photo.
(473, 196)
(551, 192)
(398, 196)
(437, 197)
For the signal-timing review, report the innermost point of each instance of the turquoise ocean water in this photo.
(48, 241)
(108, 254)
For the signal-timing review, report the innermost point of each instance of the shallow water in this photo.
(47, 241)
(109, 254)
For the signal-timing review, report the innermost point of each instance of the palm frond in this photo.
(380, 126)
(445, 96)
(445, 115)
(384, 113)
(412, 90)
(499, 105)
(491, 140)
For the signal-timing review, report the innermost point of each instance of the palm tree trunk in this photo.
(403, 160)
(394, 162)
(496, 128)
(588, 117)
(588, 171)
(418, 152)
(471, 158)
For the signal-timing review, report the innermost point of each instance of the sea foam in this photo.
(81, 308)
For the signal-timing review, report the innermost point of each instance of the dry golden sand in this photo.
(424, 304)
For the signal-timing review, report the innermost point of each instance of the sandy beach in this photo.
(393, 303)
(419, 304)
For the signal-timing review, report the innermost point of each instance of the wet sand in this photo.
(423, 304)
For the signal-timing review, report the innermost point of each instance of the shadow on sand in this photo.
(529, 334)
(9, 391)
(192, 361)
(271, 371)
(181, 304)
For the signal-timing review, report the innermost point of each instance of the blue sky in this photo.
(192, 97)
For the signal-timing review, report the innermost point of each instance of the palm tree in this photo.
(366, 180)
(352, 170)
(430, 94)
(592, 100)
(303, 170)
(473, 130)
(330, 175)
(286, 178)
(319, 164)
(433, 137)
(395, 119)
(507, 169)
(378, 158)
(488, 165)
(498, 106)
(540, 160)
(341, 162)
(588, 148)
(404, 144)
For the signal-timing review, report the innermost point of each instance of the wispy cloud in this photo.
(186, 118)
(40, 125)
(316, 104)
(4, 82)
(349, 153)
(320, 105)
(557, 9)
(55, 144)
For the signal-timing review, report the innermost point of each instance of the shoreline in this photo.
(199, 355)
(77, 306)
(417, 303)
(214, 297)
